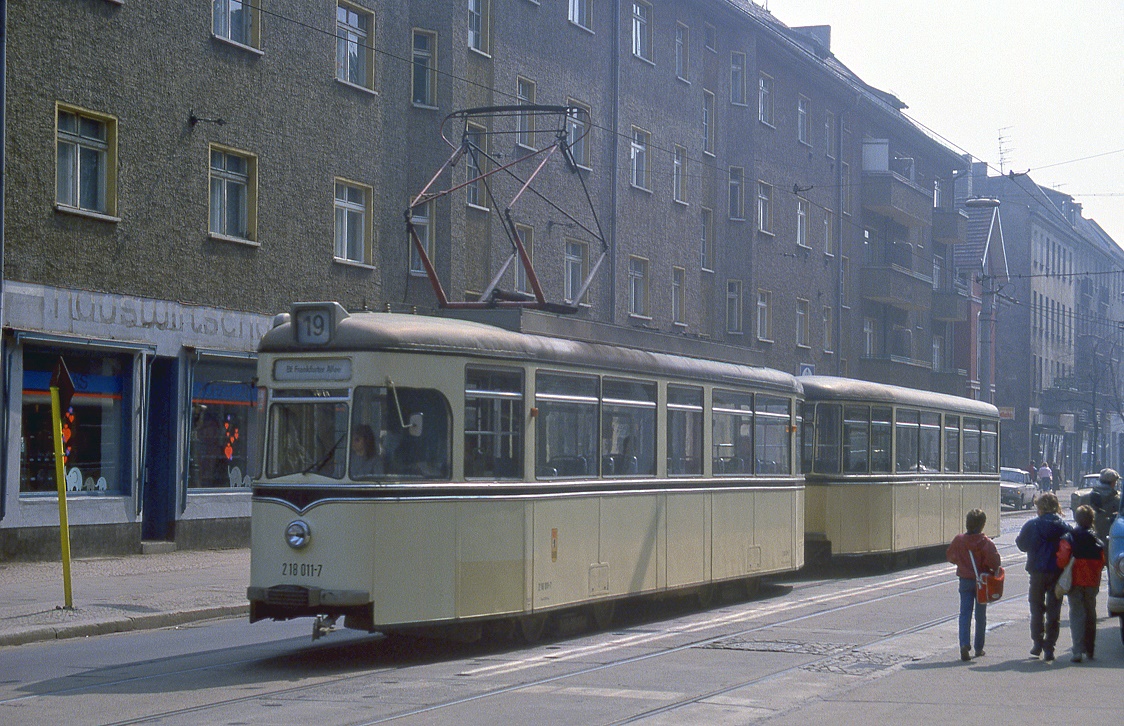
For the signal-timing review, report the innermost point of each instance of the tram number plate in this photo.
(300, 569)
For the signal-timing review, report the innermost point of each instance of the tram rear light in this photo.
(298, 533)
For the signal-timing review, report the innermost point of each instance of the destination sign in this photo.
(312, 369)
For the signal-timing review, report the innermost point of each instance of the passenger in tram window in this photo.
(366, 459)
(970, 552)
(1039, 539)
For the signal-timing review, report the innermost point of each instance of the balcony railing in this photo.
(897, 286)
(950, 226)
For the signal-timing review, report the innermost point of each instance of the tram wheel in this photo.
(531, 627)
(603, 612)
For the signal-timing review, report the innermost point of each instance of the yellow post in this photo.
(60, 475)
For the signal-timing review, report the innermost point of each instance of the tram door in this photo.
(158, 519)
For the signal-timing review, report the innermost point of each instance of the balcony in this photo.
(950, 305)
(953, 381)
(896, 370)
(950, 226)
(896, 286)
(889, 189)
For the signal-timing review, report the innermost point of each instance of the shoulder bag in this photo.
(989, 586)
(1065, 581)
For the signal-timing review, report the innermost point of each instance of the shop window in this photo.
(222, 403)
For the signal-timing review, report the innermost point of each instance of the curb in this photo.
(120, 625)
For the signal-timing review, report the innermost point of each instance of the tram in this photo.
(891, 470)
(420, 471)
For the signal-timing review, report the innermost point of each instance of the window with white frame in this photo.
(424, 80)
(764, 207)
(764, 315)
(581, 13)
(236, 21)
(678, 280)
(86, 161)
(578, 132)
(353, 222)
(803, 313)
(355, 58)
(802, 121)
(847, 200)
(830, 142)
(707, 242)
(637, 286)
(475, 165)
(525, 122)
(765, 99)
(868, 337)
(802, 207)
(828, 232)
(737, 78)
(527, 235)
(737, 194)
(233, 193)
(642, 30)
(682, 50)
(708, 122)
(828, 330)
(844, 279)
(422, 221)
(733, 306)
(710, 37)
(575, 260)
(641, 172)
(478, 20)
(679, 174)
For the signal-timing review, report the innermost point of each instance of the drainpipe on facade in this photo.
(3, 190)
(616, 167)
(839, 298)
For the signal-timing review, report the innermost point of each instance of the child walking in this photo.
(971, 546)
(1088, 561)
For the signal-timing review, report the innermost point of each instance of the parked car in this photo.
(1116, 571)
(1081, 494)
(1016, 489)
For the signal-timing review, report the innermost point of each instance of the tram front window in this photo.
(307, 433)
(400, 433)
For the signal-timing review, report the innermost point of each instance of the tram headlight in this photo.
(298, 533)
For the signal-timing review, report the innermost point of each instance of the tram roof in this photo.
(376, 331)
(831, 388)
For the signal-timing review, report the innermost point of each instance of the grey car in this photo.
(1016, 490)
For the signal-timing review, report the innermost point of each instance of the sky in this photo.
(1046, 76)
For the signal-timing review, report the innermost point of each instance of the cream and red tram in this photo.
(891, 469)
(514, 475)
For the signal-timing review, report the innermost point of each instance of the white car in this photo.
(1016, 489)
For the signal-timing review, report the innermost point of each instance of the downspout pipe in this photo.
(613, 180)
(4, 385)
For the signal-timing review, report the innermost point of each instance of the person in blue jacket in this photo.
(1039, 539)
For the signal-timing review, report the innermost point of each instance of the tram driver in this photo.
(366, 459)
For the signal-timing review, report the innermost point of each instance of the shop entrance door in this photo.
(159, 518)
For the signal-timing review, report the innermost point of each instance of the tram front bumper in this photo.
(299, 597)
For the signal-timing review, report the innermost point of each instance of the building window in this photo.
(868, 337)
(577, 253)
(354, 52)
(527, 235)
(422, 220)
(764, 315)
(828, 232)
(236, 21)
(678, 278)
(830, 141)
(846, 169)
(803, 313)
(737, 78)
(581, 13)
(578, 132)
(223, 401)
(708, 122)
(802, 222)
(765, 99)
(475, 165)
(637, 286)
(710, 37)
(682, 50)
(764, 207)
(737, 180)
(353, 223)
(642, 30)
(640, 170)
(802, 120)
(86, 162)
(233, 194)
(733, 306)
(679, 175)
(707, 242)
(844, 279)
(525, 122)
(478, 25)
(425, 69)
(828, 330)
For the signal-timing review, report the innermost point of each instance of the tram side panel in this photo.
(632, 544)
(491, 558)
(567, 563)
(688, 523)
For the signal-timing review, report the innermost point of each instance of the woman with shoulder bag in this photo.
(1087, 554)
(973, 552)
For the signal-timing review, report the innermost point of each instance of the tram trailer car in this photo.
(892, 471)
(420, 471)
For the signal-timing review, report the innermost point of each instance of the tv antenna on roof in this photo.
(1005, 148)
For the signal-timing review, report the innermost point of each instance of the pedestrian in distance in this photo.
(1045, 477)
(973, 552)
(1087, 553)
(1040, 538)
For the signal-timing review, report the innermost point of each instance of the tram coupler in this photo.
(322, 625)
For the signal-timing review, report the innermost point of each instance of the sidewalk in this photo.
(116, 594)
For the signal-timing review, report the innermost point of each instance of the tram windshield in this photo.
(307, 433)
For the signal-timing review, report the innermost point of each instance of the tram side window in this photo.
(733, 433)
(952, 443)
(971, 444)
(856, 439)
(773, 453)
(628, 428)
(566, 433)
(684, 430)
(881, 440)
(807, 435)
(828, 432)
(307, 434)
(493, 423)
(908, 436)
(929, 453)
(989, 446)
